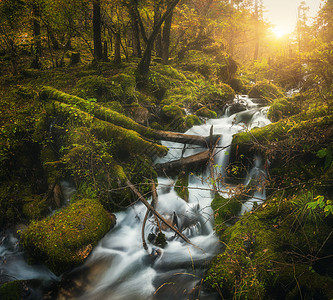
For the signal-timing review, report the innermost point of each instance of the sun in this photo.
(279, 31)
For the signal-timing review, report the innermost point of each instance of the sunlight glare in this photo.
(279, 31)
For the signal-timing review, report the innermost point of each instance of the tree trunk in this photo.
(166, 37)
(157, 16)
(189, 163)
(133, 8)
(37, 48)
(36, 30)
(117, 48)
(144, 64)
(97, 30)
(105, 51)
(256, 16)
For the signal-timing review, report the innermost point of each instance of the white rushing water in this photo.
(120, 269)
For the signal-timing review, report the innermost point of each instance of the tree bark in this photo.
(166, 37)
(117, 48)
(185, 163)
(157, 16)
(144, 64)
(97, 30)
(145, 202)
(256, 16)
(133, 8)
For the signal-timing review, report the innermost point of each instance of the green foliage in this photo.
(327, 155)
(65, 239)
(322, 204)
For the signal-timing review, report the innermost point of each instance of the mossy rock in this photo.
(225, 211)
(216, 97)
(266, 90)
(283, 107)
(64, 240)
(181, 186)
(92, 87)
(13, 290)
(35, 207)
(206, 113)
(138, 113)
(261, 250)
(172, 112)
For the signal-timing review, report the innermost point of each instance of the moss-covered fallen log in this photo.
(186, 163)
(111, 116)
(123, 139)
(98, 111)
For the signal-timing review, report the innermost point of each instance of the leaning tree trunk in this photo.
(144, 64)
(97, 30)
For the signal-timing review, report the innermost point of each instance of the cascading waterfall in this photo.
(120, 269)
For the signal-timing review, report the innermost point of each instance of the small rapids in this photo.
(119, 268)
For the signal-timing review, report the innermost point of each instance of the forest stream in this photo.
(119, 268)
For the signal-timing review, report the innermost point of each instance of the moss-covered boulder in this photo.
(225, 210)
(13, 290)
(216, 97)
(93, 87)
(283, 108)
(181, 186)
(204, 112)
(266, 90)
(64, 240)
(173, 112)
(138, 113)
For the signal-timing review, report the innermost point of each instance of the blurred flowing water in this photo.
(119, 268)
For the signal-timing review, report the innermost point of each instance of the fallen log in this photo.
(186, 163)
(184, 138)
(111, 116)
(152, 209)
(125, 139)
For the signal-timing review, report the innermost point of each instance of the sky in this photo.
(283, 13)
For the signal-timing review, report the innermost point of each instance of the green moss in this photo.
(225, 210)
(35, 207)
(181, 186)
(220, 68)
(92, 87)
(127, 83)
(190, 121)
(206, 113)
(173, 111)
(65, 239)
(103, 113)
(216, 97)
(266, 90)
(262, 252)
(123, 139)
(282, 108)
(12, 290)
